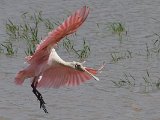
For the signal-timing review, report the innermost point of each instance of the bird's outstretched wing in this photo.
(60, 75)
(69, 26)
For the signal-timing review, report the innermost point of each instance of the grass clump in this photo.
(8, 48)
(153, 48)
(29, 30)
(127, 81)
(118, 29)
(147, 84)
(116, 56)
(12, 30)
(82, 53)
(156, 44)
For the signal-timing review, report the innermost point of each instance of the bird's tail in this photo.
(20, 77)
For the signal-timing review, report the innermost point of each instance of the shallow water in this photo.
(92, 100)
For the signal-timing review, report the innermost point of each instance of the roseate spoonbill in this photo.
(45, 66)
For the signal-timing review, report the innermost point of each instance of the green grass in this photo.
(26, 31)
(12, 30)
(129, 81)
(1, 49)
(82, 53)
(117, 56)
(8, 48)
(29, 31)
(156, 44)
(117, 28)
(153, 48)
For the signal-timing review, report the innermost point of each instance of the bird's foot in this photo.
(42, 103)
(40, 98)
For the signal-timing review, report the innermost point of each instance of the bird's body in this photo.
(54, 59)
(58, 65)
(47, 69)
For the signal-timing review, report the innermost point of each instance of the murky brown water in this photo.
(93, 100)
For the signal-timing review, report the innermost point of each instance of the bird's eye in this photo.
(77, 66)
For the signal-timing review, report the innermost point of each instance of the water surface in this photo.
(92, 100)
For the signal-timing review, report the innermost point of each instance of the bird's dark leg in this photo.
(38, 94)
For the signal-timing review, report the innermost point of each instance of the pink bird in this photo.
(47, 69)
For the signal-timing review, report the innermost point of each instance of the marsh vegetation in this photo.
(34, 26)
(31, 30)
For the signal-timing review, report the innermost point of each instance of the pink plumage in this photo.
(58, 76)
(48, 67)
(69, 26)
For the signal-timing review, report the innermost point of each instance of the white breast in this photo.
(54, 58)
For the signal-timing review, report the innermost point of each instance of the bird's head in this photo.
(78, 66)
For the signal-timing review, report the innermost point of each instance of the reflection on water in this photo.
(93, 100)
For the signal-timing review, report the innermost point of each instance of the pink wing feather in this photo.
(58, 76)
(69, 26)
